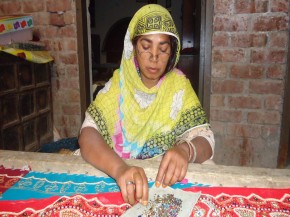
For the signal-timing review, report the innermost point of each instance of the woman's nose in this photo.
(154, 55)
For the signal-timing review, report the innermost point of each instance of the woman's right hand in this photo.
(133, 184)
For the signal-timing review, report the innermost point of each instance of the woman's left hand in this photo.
(173, 166)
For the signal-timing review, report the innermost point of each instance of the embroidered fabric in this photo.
(202, 130)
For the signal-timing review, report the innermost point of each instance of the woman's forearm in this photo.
(95, 151)
(203, 149)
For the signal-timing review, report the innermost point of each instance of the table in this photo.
(220, 179)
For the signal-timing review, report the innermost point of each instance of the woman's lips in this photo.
(152, 70)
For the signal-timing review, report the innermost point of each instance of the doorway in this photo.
(194, 23)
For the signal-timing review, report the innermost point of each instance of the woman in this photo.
(148, 109)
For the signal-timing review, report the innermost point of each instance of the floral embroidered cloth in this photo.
(233, 202)
(57, 197)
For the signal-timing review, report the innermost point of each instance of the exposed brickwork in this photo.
(55, 24)
(249, 55)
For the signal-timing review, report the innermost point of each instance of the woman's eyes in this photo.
(161, 49)
(164, 50)
(145, 47)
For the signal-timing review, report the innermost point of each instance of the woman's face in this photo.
(152, 53)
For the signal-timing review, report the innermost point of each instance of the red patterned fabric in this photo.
(214, 201)
(8, 177)
(242, 202)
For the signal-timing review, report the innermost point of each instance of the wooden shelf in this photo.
(25, 104)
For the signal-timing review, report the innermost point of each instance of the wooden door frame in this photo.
(284, 149)
(205, 54)
(83, 55)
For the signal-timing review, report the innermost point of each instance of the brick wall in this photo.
(55, 24)
(249, 55)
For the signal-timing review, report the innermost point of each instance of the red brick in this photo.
(69, 84)
(61, 72)
(57, 19)
(72, 71)
(244, 130)
(227, 86)
(229, 55)
(274, 103)
(56, 5)
(231, 23)
(71, 109)
(271, 132)
(238, 151)
(223, 6)
(74, 120)
(69, 17)
(280, 6)
(261, 6)
(217, 100)
(270, 23)
(33, 6)
(68, 58)
(69, 44)
(59, 120)
(226, 115)
(277, 56)
(264, 117)
(68, 31)
(50, 31)
(247, 71)
(242, 40)
(219, 70)
(278, 39)
(259, 56)
(259, 40)
(41, 19)
(266, 87)
(249, 102)
(218, 128)
(220, 39)
(276, 71)
(245, 6)
(10, 7)
(73, 96)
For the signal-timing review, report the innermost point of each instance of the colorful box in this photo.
(15, 28)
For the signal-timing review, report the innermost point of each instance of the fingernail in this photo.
(145, 202)
(140, 201)
(157, 184)
(164, 186)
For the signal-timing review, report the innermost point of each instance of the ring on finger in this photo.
(130, 183)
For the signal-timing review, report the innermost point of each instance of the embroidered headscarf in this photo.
(138, 122)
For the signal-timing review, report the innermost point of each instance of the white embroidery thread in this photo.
(176, 104)
(144, 99)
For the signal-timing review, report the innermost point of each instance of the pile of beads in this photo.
(163, 206)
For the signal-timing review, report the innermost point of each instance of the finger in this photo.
(175, 177)
(162, 170)
(130, 193)
(169, 174)
(138, 185)
(123, 189)
(183, 173)
(145, 195)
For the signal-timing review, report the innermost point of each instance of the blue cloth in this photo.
(43, 185)
(53, 147)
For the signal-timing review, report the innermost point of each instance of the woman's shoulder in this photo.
(177, 76)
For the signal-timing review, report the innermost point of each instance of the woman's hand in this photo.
(173, 166)
(133, 184)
